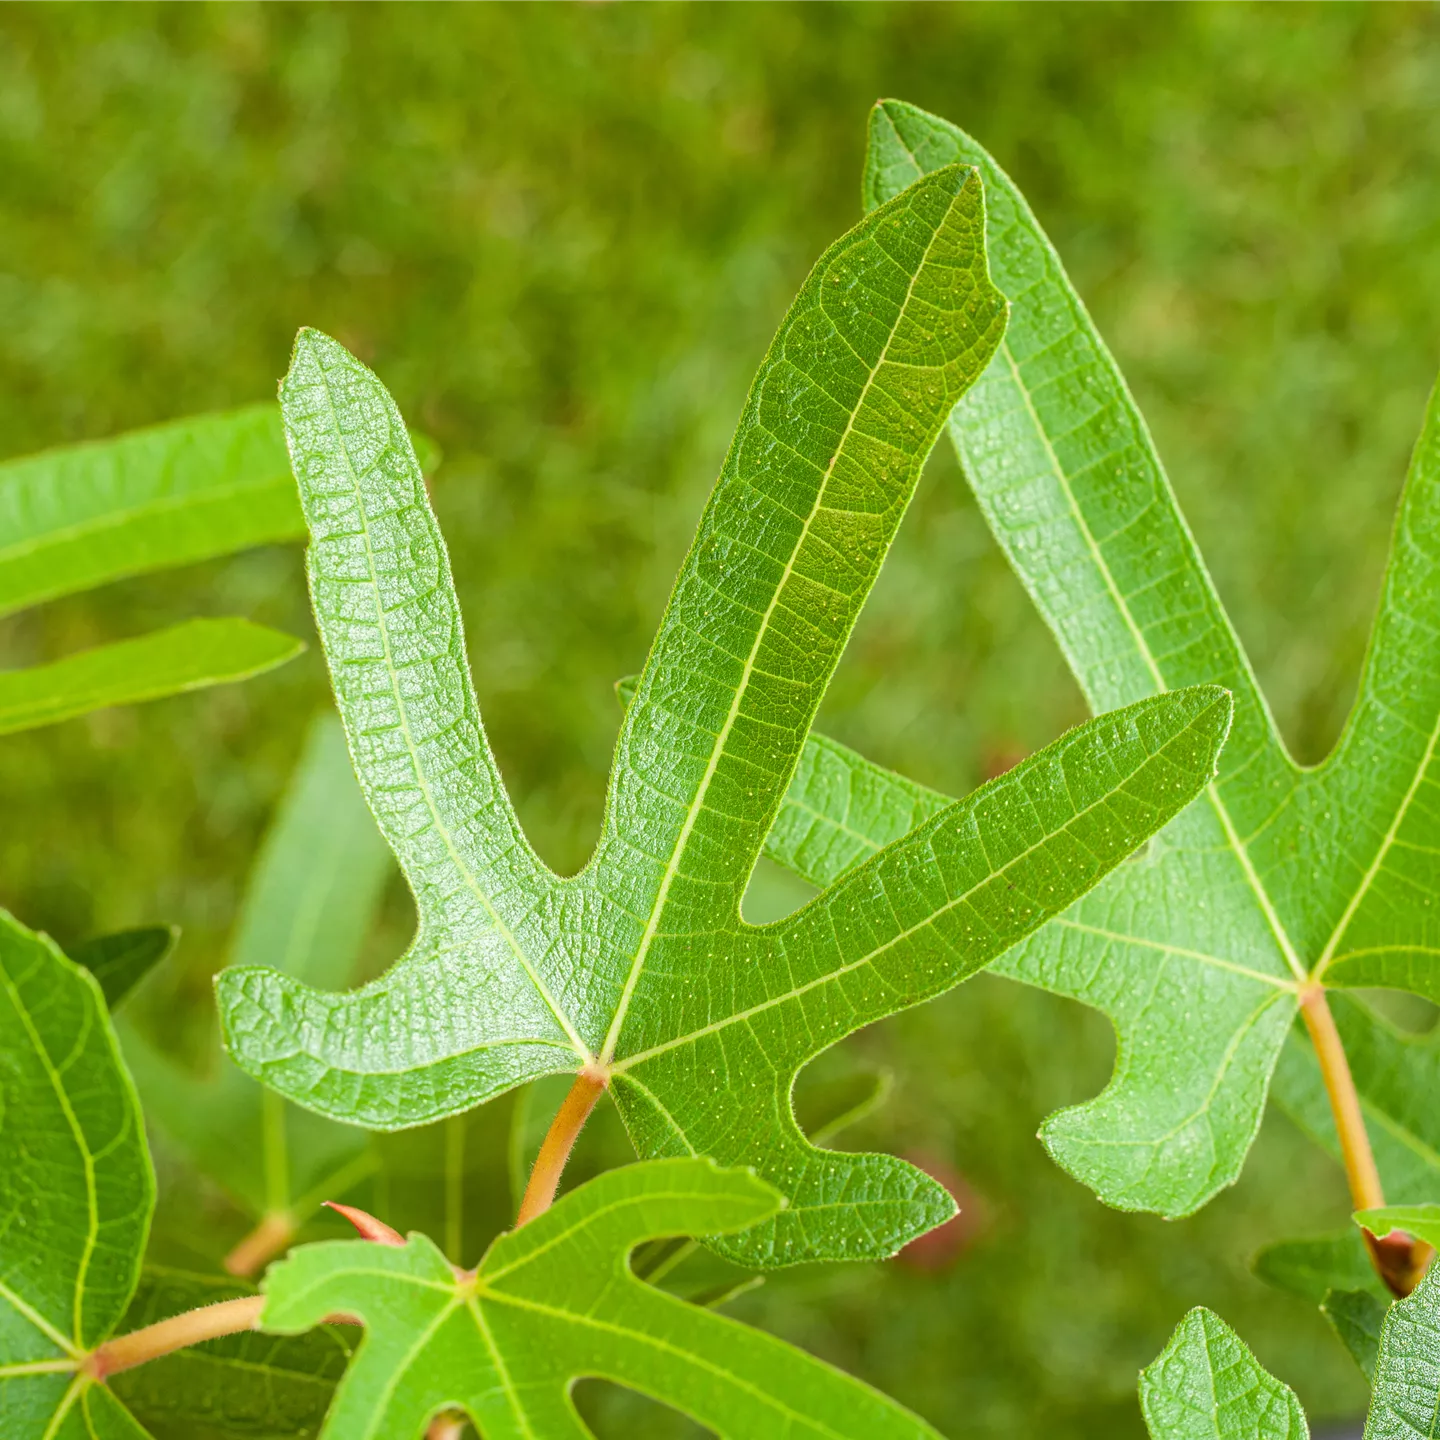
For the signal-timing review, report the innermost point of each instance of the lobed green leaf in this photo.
(1282, 876)
(641, 966)
(555, 1301)
(76, 1193)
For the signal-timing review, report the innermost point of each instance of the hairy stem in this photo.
(209, 1322)
(559, 1141)
(1399, 1260)
(124, 1352)
(271, 1237)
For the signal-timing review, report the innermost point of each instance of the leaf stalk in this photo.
(271, 1237)
(589, 1086)
(1399, 1259)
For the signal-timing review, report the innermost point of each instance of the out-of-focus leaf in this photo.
(309, 903)
(76, 1193)
(119, 961)
(245, 1385)
(1356, 1316)
(81, 516)
(189, 656)
(1311, 1268)
(1206, 1385)
(84, 515)
(556, 1300)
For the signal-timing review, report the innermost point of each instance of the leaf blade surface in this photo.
(556, 1300)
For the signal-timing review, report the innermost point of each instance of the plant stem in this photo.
(559, 1141)
(124, 1352)
(209, 1322)
(271, 1237)
(1360, 1169)
(1399, 1260)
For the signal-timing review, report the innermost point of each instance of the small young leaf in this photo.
(1356, 1316)
(1282, 876)
(1421, 1221)
(1397, 1077)
(1313, 1267)
(556, 1300)
(76, 1193)
(1405, 1404)
(188, 656)
(1206, 1385)
(239, 1385)
(121, 960)
(307, 908)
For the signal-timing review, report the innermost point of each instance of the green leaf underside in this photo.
(1396, 1077)
(76, 1192)
(555, 1301)
(1206, 1385)
(1405, 1404)
(120, 961)
(641, 963)
(188, 656)
(1356, 1317)
(248, 1384)
(1195, 952)
(307, 908)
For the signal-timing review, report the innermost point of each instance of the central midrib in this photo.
(717, 750)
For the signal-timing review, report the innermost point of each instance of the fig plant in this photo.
(638, 976)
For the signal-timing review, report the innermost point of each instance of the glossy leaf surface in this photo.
(1197, 950)
(76, 1193)
(189, 656)
(1206, 1385)
(555, 1301)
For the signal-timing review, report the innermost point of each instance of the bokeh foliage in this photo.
(563, 236)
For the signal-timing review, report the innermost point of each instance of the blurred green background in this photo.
(563, 234)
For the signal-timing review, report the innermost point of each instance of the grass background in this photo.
(563, 235)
